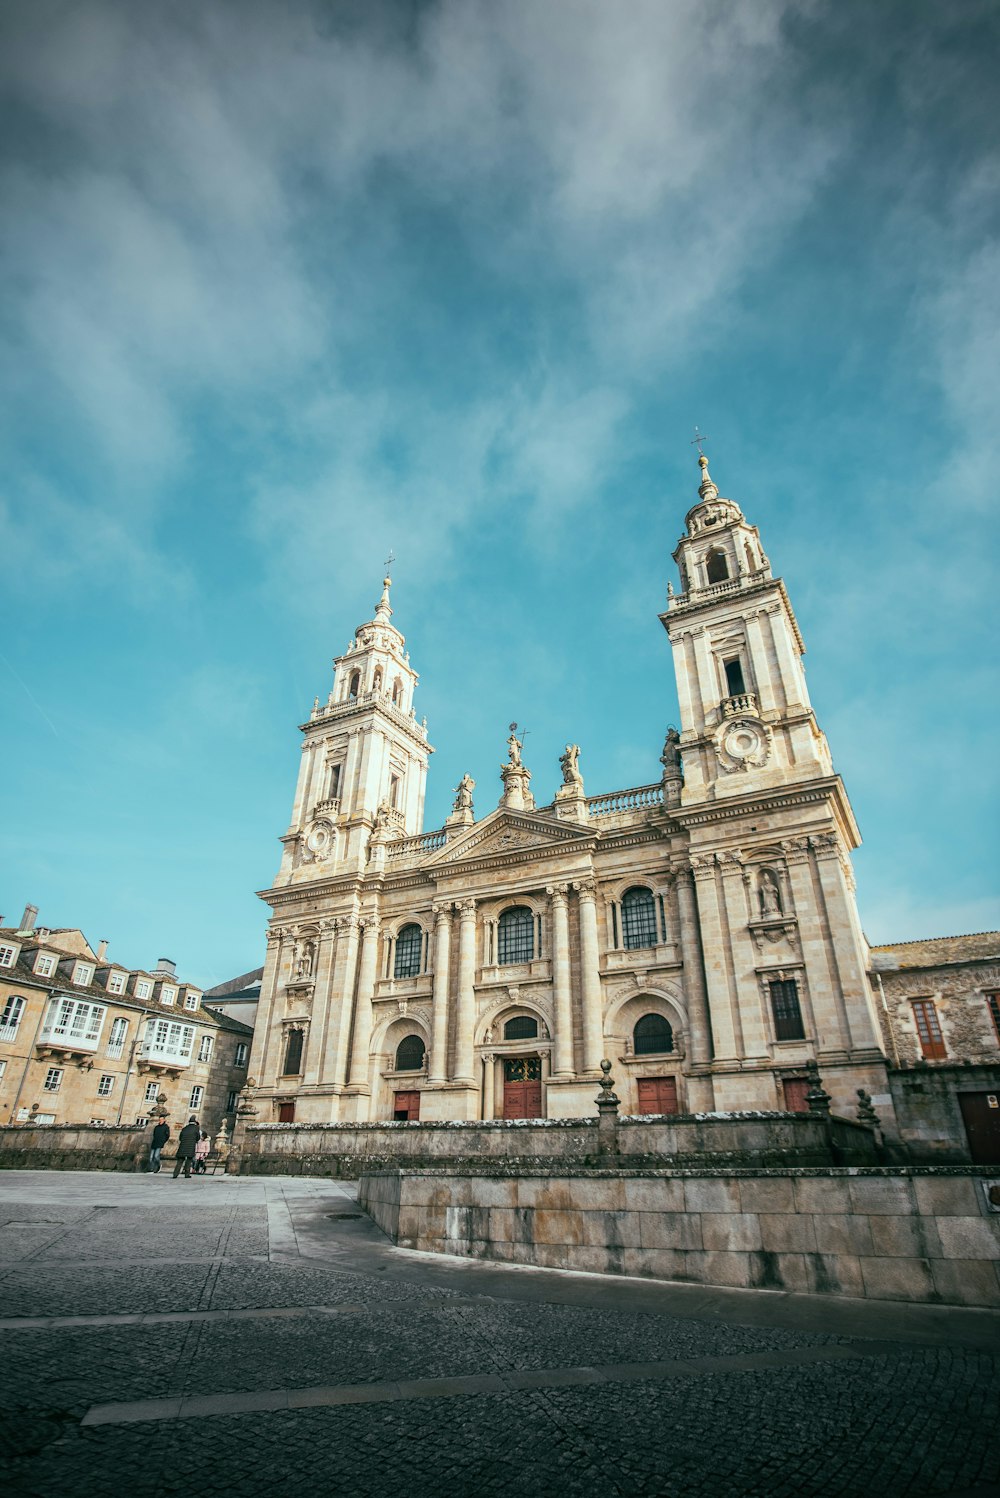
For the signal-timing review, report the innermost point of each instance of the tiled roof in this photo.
(936, 951)
(235, 985)
(23, 974)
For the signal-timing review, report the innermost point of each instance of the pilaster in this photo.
(561, 983)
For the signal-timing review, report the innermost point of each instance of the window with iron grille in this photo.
(11, 1018)
(638, 918)
(106, 1085)
(521, 1027)
(993, 1005)
(53, 1079)
(786, 1011)
(409, 947)
(652, 1035)
(516, 936)
(293, 1054)
(410, 1053)
(929, 1029)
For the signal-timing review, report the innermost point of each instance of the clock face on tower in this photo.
(742, 743)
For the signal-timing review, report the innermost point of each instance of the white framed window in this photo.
(8, 956)
(116, 1040)
(230, 1100)
(13, 1012)
(3, 1068)
(168, 1040)
(53, 1079)
(116, 983)
(152, 1092)
(241, 1053)
(205, 1049)
(141, 1121)
(197, 1093)
(106, 1085)
(84, 974)
(45, 965)
(143, 988)
(74, 1022)
(168, 994)
(45, 1118)
(192, 1001)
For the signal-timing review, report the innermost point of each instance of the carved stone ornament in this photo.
(319, 842)
(742, 743)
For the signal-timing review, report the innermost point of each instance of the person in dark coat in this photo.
(186, 1141)
(161, 1133)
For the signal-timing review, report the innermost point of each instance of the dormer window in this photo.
(84, 973)
(116, 983)
(8, 955)
(192, 1001)
(168, 994)
(143, 988)
(716, 567)
(45, 965)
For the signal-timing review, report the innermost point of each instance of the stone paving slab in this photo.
(331, 1361)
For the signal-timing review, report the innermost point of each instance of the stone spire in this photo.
(706, 488)
(384, 613)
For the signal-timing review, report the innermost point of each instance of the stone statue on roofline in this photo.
(570, 765)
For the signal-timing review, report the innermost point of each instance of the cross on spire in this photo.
(392, 556)
(697, 440)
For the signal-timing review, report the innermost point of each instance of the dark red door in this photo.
(796, 1091)
(406, 1107)
(522, 1087)
(981, 1116)
(658, 1095)
(286, 1112)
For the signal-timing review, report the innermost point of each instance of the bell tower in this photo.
(364, 757)
(745, 709)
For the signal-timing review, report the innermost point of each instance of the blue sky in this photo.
(287, 285)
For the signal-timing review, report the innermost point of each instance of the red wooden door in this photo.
(522, 1087)
(796, 1090)
(406, 1107)
(981, 1116)
(286, 1112)
(658, 1095)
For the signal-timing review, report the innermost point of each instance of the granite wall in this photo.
(72, 1147)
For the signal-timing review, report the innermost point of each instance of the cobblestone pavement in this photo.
(251, 1336)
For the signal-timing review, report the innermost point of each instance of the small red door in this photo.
(406, 1107)
(658, 1095)
(286, 1112)
(796, 1090)
(522, 1087)
(981, 1116)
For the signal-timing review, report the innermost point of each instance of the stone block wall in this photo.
(73, 1147)
(887, 1234)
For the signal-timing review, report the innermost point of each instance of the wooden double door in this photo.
(522, 1087)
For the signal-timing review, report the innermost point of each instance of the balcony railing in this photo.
(411, 847)
(328, 808)
(369, 699)
(742, 702)
(631, 799)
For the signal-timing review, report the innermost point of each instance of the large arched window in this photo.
(516, 936)
(409, 949)
(652, 1036)
(716, 567)
(355, 686)
(11, 1018)
(410, 1053)
(638, 918)
(521, 1027)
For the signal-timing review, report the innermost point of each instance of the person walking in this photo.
(161, 1133)
(187, 1139)
(201, 1150)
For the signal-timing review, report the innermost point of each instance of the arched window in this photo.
(293, 1054)
(515, 936)
(397, 693)
(410, 1053)
(522, 1027)
(355, 686)
(652, 1036)
(717, 567)
(409, 949)
(11, 1018)
(638, 918)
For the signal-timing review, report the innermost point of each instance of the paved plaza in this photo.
(261, 1336)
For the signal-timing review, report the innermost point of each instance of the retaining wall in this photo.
(889, 1234)
(71, 1147)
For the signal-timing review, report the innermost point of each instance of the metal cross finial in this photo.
(699, 438)
(392, 556)
(524, 732)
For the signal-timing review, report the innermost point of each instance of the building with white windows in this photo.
(86, 1041)
(700, 930)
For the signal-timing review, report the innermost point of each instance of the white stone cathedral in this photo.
(701, 931)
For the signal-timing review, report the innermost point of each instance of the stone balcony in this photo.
(743, 703)
(328, 808)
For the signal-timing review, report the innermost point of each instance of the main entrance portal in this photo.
(522, 1087)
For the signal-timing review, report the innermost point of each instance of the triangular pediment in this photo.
(510, 832)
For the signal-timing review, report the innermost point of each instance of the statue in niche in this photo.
(570, 763)
(304, 965)
(670, 759)
(463, 794)
(769, 895)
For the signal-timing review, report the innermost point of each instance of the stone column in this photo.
(699, 1027)
(342, 990)
(561, 990)
(361, 1045)
(489, 1085)
(465, 1009)
(590, 977)
(439, 1001)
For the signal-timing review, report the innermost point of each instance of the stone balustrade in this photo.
(415, 847)
(328, 808)
(736, 706)
(632, 799)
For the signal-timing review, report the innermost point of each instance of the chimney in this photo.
(28, 920)
(102, 950)
(165, 965)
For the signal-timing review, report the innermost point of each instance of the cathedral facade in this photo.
(701, 931)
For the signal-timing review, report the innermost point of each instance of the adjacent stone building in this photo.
(700, 929)
(85, 1040)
